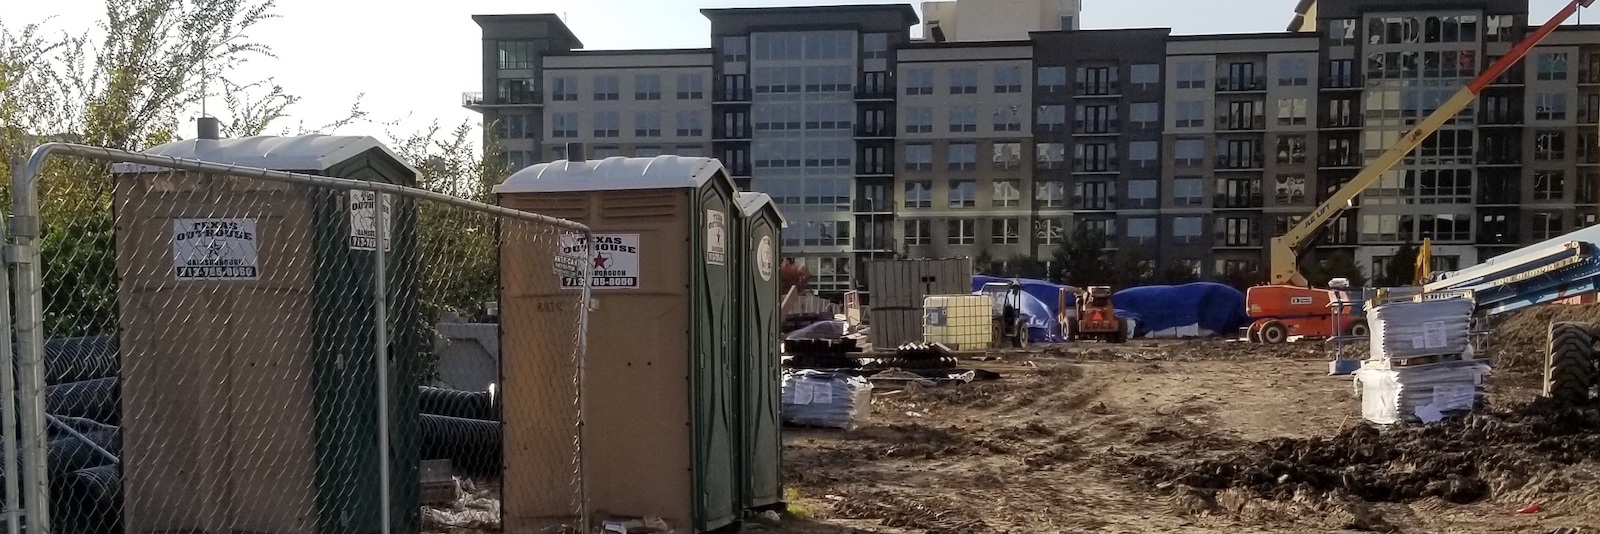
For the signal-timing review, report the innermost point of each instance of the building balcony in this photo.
(1233, 123)
(1341, 83)
(1225, 201)
(1095, 90)
(1339, 161)
(475, 100)
(1493, 160)
(722, 96)
(1224, 241)
(1340, 123)
(1086, 166)
(1588, 77)
(874, 132)
(1100, 203)
(871, 245)
(1502, 119)
(1110, 127)
(872, 206)
(874, 170)
(1236, 84)
(1240, 163)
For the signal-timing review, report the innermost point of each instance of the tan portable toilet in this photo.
(661, 435)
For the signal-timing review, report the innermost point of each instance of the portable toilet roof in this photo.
(612, 174)
(309, 153)
(750, 203)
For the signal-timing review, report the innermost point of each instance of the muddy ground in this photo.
(1196, 436)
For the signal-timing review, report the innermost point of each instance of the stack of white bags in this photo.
(826, 399)
(1392, 391)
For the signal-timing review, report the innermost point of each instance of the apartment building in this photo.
(1002, 139)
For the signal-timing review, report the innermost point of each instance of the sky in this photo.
(411, 64)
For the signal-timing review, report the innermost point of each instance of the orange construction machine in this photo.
(1290, 306)
(1096, 319)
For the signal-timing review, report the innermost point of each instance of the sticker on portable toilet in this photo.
(764, 258)
(363, 220)
(716, 238)
(612, 258)
(215, 249)
(569, 261)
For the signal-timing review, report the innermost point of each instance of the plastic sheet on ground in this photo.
(826, 399)
(1201, 309)
(476, 508)
(1410, 329)
(1424, 393)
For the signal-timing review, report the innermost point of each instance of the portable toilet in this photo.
(659, 399)
(760, 423)
(248, 388)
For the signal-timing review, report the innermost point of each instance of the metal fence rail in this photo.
(209, 347)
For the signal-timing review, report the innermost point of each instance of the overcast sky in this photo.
(416, 61)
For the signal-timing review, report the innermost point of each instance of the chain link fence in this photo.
(211, 348)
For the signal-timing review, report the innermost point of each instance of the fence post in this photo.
(380, 313)
(8, 388)
(23, 253)
(583, 351)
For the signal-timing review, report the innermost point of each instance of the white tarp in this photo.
(1423, 393)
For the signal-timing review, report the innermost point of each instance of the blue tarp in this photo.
(1038, 303)
(1215, 307)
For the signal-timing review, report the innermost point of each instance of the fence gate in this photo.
(206, 347)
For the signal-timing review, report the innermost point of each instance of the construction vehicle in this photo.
(1288, 305)
(1096, 318)
(1010, 321)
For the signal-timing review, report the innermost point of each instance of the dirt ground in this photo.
(1196, 436)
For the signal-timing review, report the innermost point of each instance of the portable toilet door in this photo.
(761, 443)
(660, 424)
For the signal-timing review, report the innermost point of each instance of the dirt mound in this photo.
(1457, 460)
(1519, 339)
(902, 512)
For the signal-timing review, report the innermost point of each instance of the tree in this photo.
(1401, 269)
(792, 274)
(984, 264)
(1023, 266)
(1176, 273)
(1083, 259)
(1335, 264)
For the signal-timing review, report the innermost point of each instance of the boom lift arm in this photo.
(1285, 250)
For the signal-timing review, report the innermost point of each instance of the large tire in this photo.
(1021, 330)
(1569, 370)
(1359, 328)
(1252, 333)
(1274, 332)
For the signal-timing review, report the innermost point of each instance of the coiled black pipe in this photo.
(75, 359)
(89, 399)
(87, 501)
(471, 445)
(69, 454)
(456, 403)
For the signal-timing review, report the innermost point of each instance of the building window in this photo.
(919, 81)
(1547, 225)
(564, 89)
(1237, 231)
(963, 194)
(919, 157)
(1450, 29)
(1445, 228)
(963, 156)
(1095, 119)
(735, 49)
(517, 127)
(963, 232)
(1099, 227)
(1007, 119)
(1051, 155)
(1189, 152)
(1550, 146)
(1007, 155)
(1191, 114)
(603, 152)
(1008, 79)
(919, 194)
(1589, 188)
(1240, 154)
(1144, 153)
(647, 124)
(1068, 23)
(1005, 231)
(1291, 149)
(1342, 32)
(1550, 107)
(1386, 228)
(1052, 118)
(1294, 72)
(1500, 28)
(516, 55)
(875, 46)
(516, 160)
(647, 87)
(1144, 115)
(517, 91)
(1145, 76)
(963, 119)
(564, 125)
(1191, 74)
(1552, 66)
(690, 124)
(1290, 188)
(1095, 157)
(964, 81)
(607, 124)
(691, 87)
(607, 88)
(1291, 111)
(918, 232)
(1050, 194)
(1048, 231)
(919, 120)
(827, 234)
(1549, 185)
(1341, 73)
(1092, 196)
(1097, 81)
(1188, 191)
(1052, 79)
(1006, 194)
(1394, 30)
(1143, 194)
(1187, 229)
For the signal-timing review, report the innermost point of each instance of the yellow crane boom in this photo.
(1285, 250)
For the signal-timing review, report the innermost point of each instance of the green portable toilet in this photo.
(761, 445)
(246, 332)
(661, 408)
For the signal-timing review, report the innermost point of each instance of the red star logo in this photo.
(601, 261)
